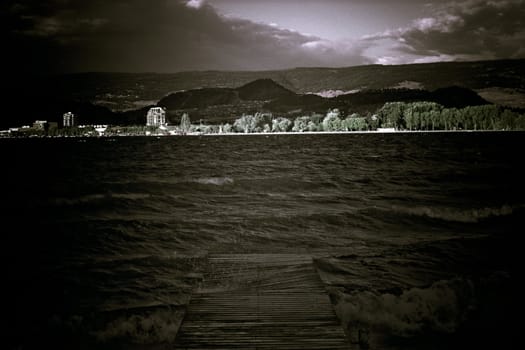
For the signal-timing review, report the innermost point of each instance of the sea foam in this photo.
(217, 181)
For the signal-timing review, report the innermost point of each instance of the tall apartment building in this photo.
(156, 116)
(68, 119)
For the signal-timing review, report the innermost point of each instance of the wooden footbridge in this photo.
(260, 301)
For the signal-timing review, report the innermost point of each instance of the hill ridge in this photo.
(124, 97)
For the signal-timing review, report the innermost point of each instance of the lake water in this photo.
(415, 235)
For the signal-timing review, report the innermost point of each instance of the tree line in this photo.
(433, 116)
(332, 121)
(413, 116)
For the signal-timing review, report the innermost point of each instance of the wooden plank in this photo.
(260, 301)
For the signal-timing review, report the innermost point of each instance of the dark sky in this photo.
(51, 36)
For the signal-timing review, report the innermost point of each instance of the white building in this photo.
(156, 117)
(69, 119)
(100, 129)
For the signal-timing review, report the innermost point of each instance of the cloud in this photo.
(467, 30)
(156, 35)
(195, 3)
(177, 35)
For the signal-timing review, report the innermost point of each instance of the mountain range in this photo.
(217, 96)
(269, 96)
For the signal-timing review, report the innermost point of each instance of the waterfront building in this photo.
(156, 117)
(68, 119)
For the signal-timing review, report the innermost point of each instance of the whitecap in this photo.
(217, 181)
(470, 215)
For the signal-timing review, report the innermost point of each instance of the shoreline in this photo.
(269, 134)
(345, 132)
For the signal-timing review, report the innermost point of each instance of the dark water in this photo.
(416, 235)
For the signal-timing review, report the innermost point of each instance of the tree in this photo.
(301, 124)
(316, 118)
(281, 124)
(372, 121)
(354, 123)
(249, 123)
(446, 118)
(332, 122)
(185, 123)
(410, 120)
(508, 120)
(313, 126)
(421, 115)
(226, 128)
(391, 114)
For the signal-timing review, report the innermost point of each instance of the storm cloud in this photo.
(177, 35)
(466, 30)
(158, 35)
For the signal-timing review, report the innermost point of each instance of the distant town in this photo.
(156, 125)
(393, 116)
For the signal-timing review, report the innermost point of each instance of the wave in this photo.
(153, 326)
(134, 328)
(443, 307)
(217, 181)
(472, 215)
